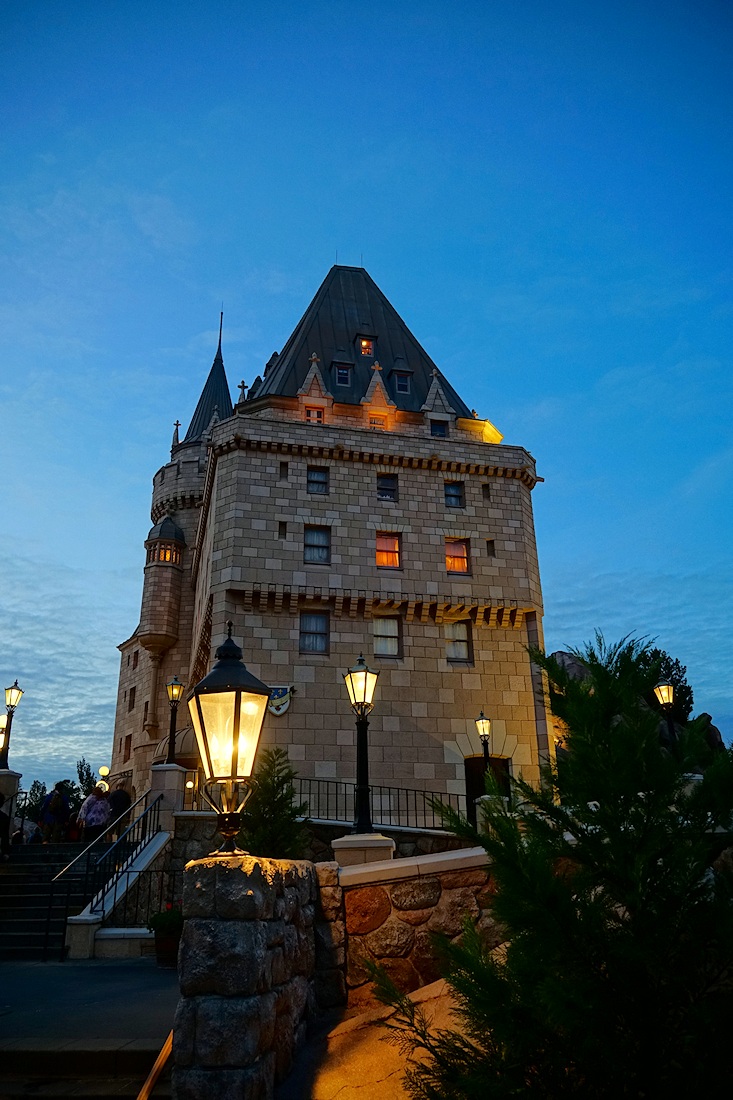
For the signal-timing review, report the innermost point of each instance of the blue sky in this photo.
(542, 189)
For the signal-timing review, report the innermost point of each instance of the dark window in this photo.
(317, 545)
(402, 383)
(343, 376)
(314, 632)
(490, 548)
(455, 494)
(387, 639)
(128, 748)
(366, 345)
(388, 550)
(387, 487)
(439, 428)
(457, 559)
(458, 640)
(486, 490)
(283, 471)
(131, 699)
(128, 660)
(317, 480)
(135, 658)
(282, 530)
(314, 414)
(145, 711)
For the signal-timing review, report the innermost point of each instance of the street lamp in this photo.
(483, 728)
(12, 698)
(665, 697)
(360, 683)
(227, 711)
(174, 688)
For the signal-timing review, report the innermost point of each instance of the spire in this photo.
(214, 396)
(176, 426)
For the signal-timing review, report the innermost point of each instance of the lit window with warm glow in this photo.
(377, 422)
(456, 556)
(314, 414)
(366, 346)
(388, 551)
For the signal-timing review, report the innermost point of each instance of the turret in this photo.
(161, 604)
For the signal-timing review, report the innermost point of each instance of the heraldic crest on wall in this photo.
(280, 697)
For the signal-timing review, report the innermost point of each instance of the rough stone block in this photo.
(227, 1031)
(418, 893)
(331, 902)
(366, 908)
(221, 957)
(195, 1083)
(184, 1029)
(327, 873)
(453, 909)
(391, 939)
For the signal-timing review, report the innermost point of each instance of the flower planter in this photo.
(166, 949)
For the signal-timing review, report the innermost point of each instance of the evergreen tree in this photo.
(36, 795)
(269, 819)
(616, 979)
(87, 778)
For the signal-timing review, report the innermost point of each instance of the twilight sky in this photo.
(543, 190)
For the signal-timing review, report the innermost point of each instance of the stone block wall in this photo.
(387, 912)
(246, 969)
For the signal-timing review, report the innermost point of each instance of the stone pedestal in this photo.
(9, 786)
(362, 848)
(170, 781)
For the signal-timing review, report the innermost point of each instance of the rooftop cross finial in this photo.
(176, 426)
(376, 366)
(242, 389)
(313, 358)
(434, 372)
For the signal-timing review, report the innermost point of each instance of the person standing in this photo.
(94, 814)
(54, 814)
(119, 804)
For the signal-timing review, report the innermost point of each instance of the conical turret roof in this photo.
(214, 396)
(348, 314)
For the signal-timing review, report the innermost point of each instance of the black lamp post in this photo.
(665, 698)
(175, 693)
(483, 727)
(12, 698)
(360, 683)
(227, 711)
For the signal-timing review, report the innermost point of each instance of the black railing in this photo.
(134, 896)
(89, 874)
(333, 800)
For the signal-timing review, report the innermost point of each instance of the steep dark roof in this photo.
(167, 530)
(347, 306)
(215, 394)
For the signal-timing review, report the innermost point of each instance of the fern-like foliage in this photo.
(617, 976)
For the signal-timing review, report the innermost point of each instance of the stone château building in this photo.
(349, 502)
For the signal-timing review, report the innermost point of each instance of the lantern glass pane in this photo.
(12, 696)
(664, 694)
(251, 716)
(217, 710)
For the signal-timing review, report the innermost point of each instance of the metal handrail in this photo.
(333, 800)
(99, 840)
(131, 842)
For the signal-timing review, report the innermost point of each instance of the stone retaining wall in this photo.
(387, 912)
(246, 969)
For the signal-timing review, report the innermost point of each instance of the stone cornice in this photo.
(355, 603)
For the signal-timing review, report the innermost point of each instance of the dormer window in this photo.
(343, 376)
(439, 429)
(314, 414)
(402, 383)
(377, 422)
(366, 346)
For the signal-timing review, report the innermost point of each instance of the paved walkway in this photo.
(99, 1016)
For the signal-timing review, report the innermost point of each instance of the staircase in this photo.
(32, 912)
